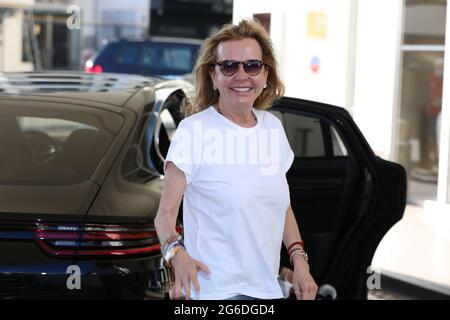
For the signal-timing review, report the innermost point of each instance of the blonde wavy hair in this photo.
(205, 95)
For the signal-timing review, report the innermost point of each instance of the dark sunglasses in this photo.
(231, 67)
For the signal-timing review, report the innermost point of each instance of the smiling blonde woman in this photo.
(236, 212)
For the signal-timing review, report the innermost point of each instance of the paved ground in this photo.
(417, 251)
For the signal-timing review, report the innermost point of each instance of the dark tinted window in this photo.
(145, 157)
(339, 148)
(135, 167)
(166, 127)
(169, 58)
(305, 136)
(52, 145)
(129, 54)
(310, 136)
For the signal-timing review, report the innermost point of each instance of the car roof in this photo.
(106, 88)
(162, 40)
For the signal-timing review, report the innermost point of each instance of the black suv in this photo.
(81, 159)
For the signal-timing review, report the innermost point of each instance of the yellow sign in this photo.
(317, 25)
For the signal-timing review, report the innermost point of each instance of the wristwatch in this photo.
(171, 251)
(169, 240)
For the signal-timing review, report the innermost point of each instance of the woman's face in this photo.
(240, 89)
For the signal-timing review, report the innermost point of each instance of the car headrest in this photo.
(82, 147)
(12, 140)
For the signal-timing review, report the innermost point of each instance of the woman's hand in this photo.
(185, 270)
(305, 287)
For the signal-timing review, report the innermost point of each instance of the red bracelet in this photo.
(302, 243)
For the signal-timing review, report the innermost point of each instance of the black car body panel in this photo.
(53, 200)
(366, 194)
(26, 273)
(45, 225)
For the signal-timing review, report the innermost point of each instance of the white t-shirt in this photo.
(235, 202)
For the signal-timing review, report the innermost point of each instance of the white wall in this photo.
(11, 36)
(11, 47)
(377, 78)
(296, 49)
(15, 3)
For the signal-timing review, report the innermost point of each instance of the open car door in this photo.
(344, 197)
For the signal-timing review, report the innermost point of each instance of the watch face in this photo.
(170, 253)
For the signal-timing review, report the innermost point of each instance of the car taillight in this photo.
(99, 240)
(91, 68)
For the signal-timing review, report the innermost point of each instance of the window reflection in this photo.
(421, 97)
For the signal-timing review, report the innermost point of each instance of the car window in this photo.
(128, 54)
(339, 148)
(145, 157)
(309, 136)
(57, 129)
(166, 125)
(53, 146)
(304, 135)
(169, 58)
(134, 166)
